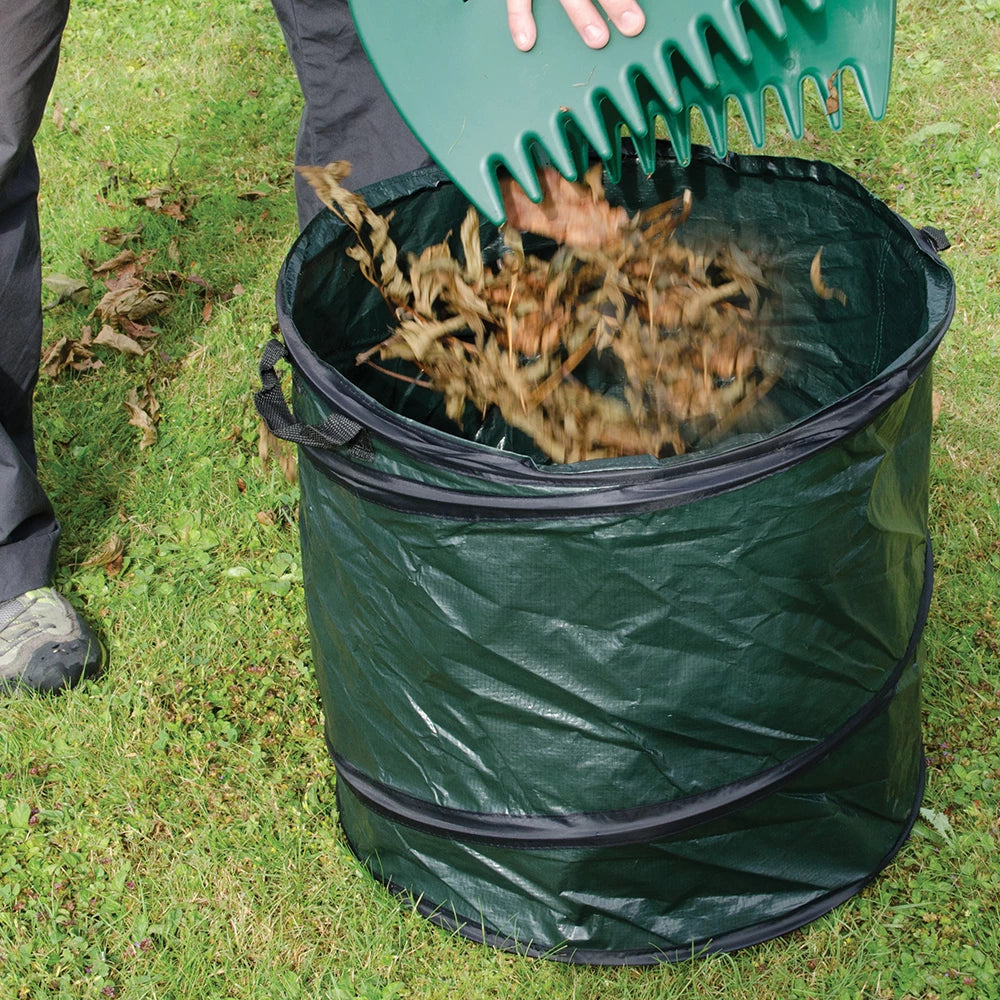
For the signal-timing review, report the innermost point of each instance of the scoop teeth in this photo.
(715, 116)
(625, 97)
(613, 166)
(770, 14)
(660, 76)
(561, 103)
(653, 109)
(752, 109)
(874, 86)
(679, 129)
(645, 149)
(793, 109)
(560, 147)
(482, 189)
(696, 53)
(732, 31)
(578, 146)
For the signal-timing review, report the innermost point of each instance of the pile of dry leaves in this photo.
(133, 301)
(622, 342)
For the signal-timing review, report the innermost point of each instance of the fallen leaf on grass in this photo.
(136, 330)
(271, 448)
(109, 338)
(115, 236)
(833, 100)
(131, 295)
(132, 301)
(66, 289)
(68, 352)
(61, 121)
(110, 555)
(143, 411)
(119, 262)
(166, 201)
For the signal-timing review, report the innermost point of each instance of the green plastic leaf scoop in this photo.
(477, 103)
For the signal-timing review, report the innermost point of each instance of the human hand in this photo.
(625, 15)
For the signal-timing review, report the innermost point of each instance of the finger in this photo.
(626, 16)
(521, 23)
(591, 27)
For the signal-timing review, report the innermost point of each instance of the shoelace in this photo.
(16, 624)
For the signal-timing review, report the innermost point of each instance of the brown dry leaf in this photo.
(110, 555)
(107, 337)
(820, 287)
(166, 201)
(174, 211)
(132, 296)
(271, 448)
(137, 331)
(118, 263)
(66, 289)
(132, 300)
(143, 410)
(325, 181)
(68, 353)
(937, 401)
(115, 236)
(833, 101)
(572, 213)
(375, 252)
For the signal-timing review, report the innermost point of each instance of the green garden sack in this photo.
(631, 710)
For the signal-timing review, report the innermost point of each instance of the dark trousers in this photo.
(347, 115)
(30, 31)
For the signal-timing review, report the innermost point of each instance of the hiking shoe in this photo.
(44, 644)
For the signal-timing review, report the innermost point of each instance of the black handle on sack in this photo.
(337, 431)
(937, 238)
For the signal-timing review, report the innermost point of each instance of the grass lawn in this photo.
(169, 831)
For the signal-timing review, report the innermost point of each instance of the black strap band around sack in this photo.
(336, 432)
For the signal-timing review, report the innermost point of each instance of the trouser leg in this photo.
(30, 31)
(347, 115)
